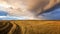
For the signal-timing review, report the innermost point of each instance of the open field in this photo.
(36, 27)
(39, 27)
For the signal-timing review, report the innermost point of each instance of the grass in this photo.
(39, 27)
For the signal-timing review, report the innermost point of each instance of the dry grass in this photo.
(39, 27)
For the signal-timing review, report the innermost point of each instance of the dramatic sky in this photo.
(15, 10)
